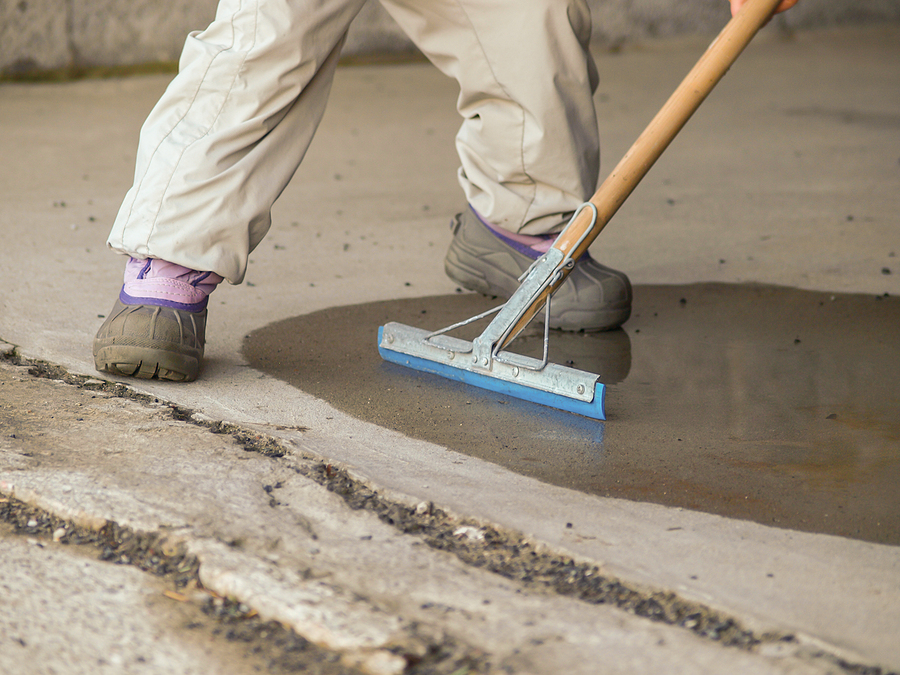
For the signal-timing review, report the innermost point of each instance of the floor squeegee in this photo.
(485, 361)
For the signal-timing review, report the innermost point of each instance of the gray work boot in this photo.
(148, 341)
(157, 328)
(592, 298)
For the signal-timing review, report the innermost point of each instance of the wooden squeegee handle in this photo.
(663, 128)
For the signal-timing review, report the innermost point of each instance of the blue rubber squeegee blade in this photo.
(590, 402)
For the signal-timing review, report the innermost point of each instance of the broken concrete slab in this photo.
(269, 536)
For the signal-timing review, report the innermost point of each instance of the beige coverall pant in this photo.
(231, 129)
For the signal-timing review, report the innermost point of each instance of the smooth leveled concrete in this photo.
(790, 169)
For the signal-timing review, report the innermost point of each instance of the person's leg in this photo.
(230, 131)
(214, 155)
(528, 145)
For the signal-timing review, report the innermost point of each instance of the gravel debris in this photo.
(508, 554)
(284, 650)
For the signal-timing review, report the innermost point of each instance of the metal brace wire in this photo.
(459, 324)
(567, 263)
(497, 355)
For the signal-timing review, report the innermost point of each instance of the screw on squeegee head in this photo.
(483, 363)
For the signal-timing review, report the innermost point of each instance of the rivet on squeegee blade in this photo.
(483, 362)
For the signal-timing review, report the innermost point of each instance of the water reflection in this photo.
(774, 404)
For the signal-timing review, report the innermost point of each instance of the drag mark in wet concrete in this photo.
(771, 404)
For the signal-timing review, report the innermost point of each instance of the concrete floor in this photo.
(757, 402)
(788, 172)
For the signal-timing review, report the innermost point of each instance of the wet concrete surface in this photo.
(766, 403)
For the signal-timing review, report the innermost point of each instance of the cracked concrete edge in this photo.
(382, 662)
(79, 517)
(761, 623)
(335, 619)
(253, 574)
(363, 634)
(839, 563)
(323, 614)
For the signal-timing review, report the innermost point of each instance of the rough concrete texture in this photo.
(67, 612)
(34, 35)
(298, 554)
(41, 35)
(38, 35)
(799, 137)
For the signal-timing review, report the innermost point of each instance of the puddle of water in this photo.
(771, 404)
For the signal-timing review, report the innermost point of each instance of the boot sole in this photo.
(146, 363)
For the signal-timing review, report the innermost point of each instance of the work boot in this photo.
(487, 260)
(157, 328)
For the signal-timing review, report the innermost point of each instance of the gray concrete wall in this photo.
(38, 35)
